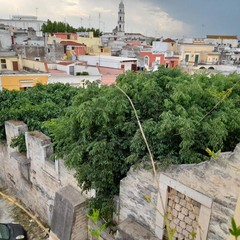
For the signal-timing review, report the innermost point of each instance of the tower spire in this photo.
(121, 19)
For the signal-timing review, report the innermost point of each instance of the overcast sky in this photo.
(167, 18)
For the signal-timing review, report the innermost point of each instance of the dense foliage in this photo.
(53, 27)
(96, 132)
(181, 115)
(35, 105)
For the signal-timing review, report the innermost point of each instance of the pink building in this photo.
(70, 36)
(73, 48)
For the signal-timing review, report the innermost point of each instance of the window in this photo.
(196, 59)
(24, 88)
(146, 60)
(158, 60)
(186, 57)
(3, 64)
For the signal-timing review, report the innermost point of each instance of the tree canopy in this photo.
(95, 130)
(181, 116)
(35, 105)
(53, 27)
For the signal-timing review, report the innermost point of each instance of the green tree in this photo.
(181, 116)
(53, 27)
(36, 105)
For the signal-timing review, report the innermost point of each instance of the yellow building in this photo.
(17, 73)
(93, 44)
(192, 54)
(22, 81)
(9, 63)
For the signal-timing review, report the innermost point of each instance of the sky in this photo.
(156, 18)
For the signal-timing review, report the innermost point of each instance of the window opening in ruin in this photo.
(183, 214)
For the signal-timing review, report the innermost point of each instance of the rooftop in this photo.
(222, 36)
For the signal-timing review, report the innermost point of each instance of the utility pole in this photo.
(99, 16)
(203, 30)
(89, 21)
(81, 21)
(37, 12)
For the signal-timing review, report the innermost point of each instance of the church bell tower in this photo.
(121, 19)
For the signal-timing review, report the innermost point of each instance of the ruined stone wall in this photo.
(33, 177)
(54, 52)
(70, 215)
(30, 52)
(3, 155)
(183, 214)
(201, 198)
(134, 190)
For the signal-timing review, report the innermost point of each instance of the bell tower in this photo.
(121, 19)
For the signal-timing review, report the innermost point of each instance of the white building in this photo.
(227, 40)
(73, 74)
(111, 62)
(24, 22)
(5, 39)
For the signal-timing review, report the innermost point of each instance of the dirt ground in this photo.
(11, 213)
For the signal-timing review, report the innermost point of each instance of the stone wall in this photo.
(40, 181)
(201, 198)
(183, 214)
(33, 177)
(69, 215)
(133, 192)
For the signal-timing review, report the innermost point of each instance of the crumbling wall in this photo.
(33, 176)
(197, 198)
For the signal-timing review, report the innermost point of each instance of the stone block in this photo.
(179, 229)
(169, 209)
(182, 224)
(175, 213)
(181, 216)
(189, 206)
(183, 202)
(129, 229)
(181, 196)
(180, 236)
(178, 207)
(170, 203)
(67, 204)
(176, 221)
(185, 211)
(176, 199)
(189, 228)
(173, 192)
(192, 215)
(185, 233)
(188, 220)
(195, 224)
